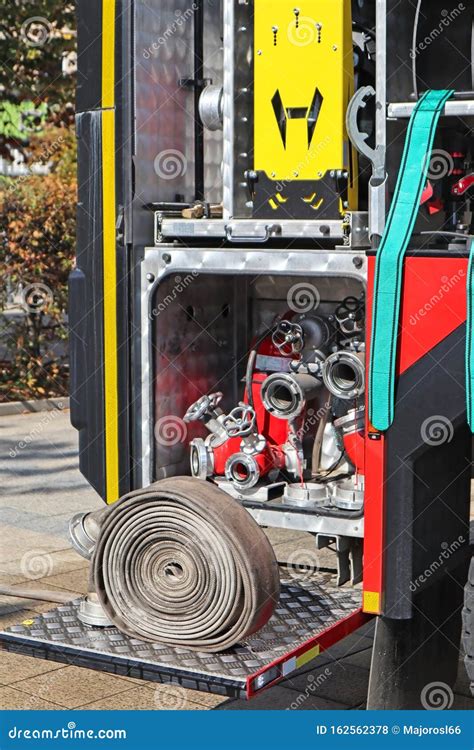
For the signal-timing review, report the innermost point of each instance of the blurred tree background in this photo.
(37, 194)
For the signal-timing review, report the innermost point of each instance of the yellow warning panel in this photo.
(307, 656)
(304, 79)
(372, 602)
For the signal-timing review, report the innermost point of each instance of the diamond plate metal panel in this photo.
(238, 107)
(164, 110)
(308, 606)
(196, 340)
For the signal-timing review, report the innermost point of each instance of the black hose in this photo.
(249, 376)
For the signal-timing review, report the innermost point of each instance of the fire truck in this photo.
(271, 328)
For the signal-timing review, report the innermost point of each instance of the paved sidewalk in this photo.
(41, 489)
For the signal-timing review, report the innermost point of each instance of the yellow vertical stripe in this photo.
(109, 251)
(108, 53)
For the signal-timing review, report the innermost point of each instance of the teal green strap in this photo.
(389, 262)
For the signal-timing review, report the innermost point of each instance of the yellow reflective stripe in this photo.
(108, 53)
(109, 252)
(372, 602)
(307, 656)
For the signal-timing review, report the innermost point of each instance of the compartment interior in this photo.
(203, 329)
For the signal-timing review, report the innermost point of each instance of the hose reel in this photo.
(167, 568)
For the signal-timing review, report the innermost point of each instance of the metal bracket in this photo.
(377, 184)
(349, 557)
(359, 139)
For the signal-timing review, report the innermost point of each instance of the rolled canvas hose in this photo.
(182, 563)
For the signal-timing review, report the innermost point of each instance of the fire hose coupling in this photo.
(84, 529)
(311, 494)
(344, 374)
(201, 459)
(242, 470)
(284, 395)
(92, 613)
(348, 494)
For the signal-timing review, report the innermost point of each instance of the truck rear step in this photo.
(312, 615)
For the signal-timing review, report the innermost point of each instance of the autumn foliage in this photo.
(36, 257)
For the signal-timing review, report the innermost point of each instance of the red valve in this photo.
(427, 193)
(462, 186)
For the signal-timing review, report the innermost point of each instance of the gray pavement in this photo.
(40, 489)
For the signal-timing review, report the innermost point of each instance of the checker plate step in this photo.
(310, 605)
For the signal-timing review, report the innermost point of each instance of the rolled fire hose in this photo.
(182, 563)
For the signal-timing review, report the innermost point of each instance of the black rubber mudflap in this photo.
(412, 657)
(468, 626)
(426, 551)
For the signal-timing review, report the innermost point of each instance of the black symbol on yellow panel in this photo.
(310, 114)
